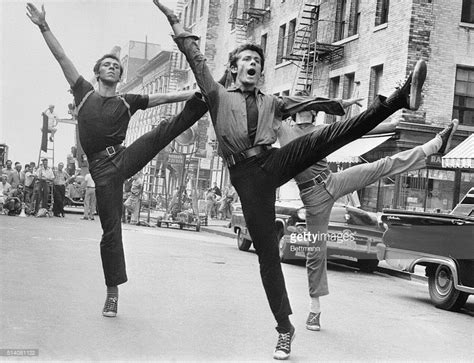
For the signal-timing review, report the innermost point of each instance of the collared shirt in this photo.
(14, 178)
(45, 174)
(88, 181)
(227, 107)
(52, 119)
(60, 177)
(288, 133)
(29, 177)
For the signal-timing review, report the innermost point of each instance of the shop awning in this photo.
(462, 156)
(350, 153)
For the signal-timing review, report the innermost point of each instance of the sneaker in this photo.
(283, 347)
(110, 307)
(51, 139)
(413, 85)
(447, 135)
(85, 218)
(312, 323)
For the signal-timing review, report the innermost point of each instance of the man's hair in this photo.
(234, 55)
(99, 61)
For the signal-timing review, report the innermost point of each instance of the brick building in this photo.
(362, 48)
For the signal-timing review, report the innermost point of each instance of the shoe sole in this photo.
(418, 79)
(109, 315)
(288, 355)
(313, 328)
(450, 137)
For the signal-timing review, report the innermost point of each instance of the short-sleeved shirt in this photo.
(103, 121)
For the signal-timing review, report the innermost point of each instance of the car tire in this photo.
(442, 291)
(281, 245)
(367, 265)
(243, 243)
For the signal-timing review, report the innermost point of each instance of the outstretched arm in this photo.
(187, 44)
(39, 18)
(156, 99)
(172, 18)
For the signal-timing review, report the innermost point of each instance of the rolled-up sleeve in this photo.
(290, 105)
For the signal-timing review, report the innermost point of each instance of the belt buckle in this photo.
(321, 177)
(110, 153)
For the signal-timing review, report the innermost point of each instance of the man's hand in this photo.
(351, 101)
(37, 17)
(167, 11)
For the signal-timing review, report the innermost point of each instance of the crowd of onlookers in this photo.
(32, 189)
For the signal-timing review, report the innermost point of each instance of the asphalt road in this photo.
(194, 296)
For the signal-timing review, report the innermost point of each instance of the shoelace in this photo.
(313, 318)
(111, 303)
(283, 342)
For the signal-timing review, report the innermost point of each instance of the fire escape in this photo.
(253, 11)
(312, 44)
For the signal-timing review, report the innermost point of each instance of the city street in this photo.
(195, 296)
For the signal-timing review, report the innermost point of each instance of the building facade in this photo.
(362, 48)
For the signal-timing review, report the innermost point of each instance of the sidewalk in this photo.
(220, 227)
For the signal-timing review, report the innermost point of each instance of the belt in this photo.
(318, 179)
(109, 151)
(241, 156)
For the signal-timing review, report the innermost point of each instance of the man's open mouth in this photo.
(251, 72)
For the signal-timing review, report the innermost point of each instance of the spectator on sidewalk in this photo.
(15, 200)
(210, 203)
(15, 177)
(45, 177)
(89, 198)
(132, 203)
(61, 178)
(5, 189)
(29, 184)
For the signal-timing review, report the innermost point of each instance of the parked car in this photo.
(356, 232)
(444, 243)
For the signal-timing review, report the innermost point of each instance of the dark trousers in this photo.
(257, 178)
(110, 173)
(59, 192)
(42, 194)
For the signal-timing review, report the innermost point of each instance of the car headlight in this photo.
(301, 213)
(347, 217)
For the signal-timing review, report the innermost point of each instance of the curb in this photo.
(226, 232)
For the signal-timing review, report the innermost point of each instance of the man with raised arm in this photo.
(103, 118)
(246, 122)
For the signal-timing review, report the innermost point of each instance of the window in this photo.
(354, 18)
(463, 108)
(333, 93)
(467, 15)
(376, 75)
(291, 36)
(281, 44)
(341, 20)
(185, 22)
(348, 90)
(286, 93)
(381, 12)
(233, 16)
(263, 42)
